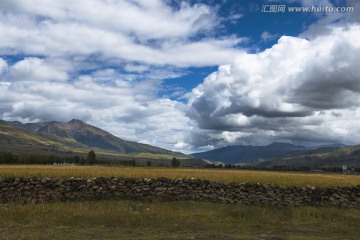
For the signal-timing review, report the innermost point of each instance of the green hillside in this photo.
(349, 156)
(92, 137)
(13, 138)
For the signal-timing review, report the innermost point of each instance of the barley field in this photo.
(221, 175)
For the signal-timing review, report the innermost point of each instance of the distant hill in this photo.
(241, 154)
(349, 156)
(74, 134)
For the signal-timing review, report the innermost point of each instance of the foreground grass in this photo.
(221, 175)
(174, 220)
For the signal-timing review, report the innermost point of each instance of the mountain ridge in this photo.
(90, 136)
(348, 156)
(243, 154)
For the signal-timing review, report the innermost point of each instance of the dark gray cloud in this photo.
(327, 20)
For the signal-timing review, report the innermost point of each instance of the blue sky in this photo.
(262, 30)
(185, 75)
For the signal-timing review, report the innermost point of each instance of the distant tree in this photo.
(76, 159)
(91, 157)
(212, 165)
(148, 163)
(133, 162)
(6, 157)
(9, 158)
(175, 162)
(83, 161)
(229, 166)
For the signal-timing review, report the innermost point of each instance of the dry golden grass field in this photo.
(221, 175)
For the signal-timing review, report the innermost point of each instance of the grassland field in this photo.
(175, 220)
(125, 219)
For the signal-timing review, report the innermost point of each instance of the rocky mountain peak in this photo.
(75, 121)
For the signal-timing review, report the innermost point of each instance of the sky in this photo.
(187, 76)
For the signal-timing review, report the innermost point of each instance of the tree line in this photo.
(10, 158)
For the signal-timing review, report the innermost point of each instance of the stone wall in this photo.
(37, 190)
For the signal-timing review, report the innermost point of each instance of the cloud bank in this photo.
(298, 90)
(114, 32)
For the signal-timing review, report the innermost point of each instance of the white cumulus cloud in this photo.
(146, 32)
(36, 69)
(298, 90)
(3, 67)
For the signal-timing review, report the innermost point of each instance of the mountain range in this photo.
(78, 138)
(90, 136)
(242, 154)
(319, 158)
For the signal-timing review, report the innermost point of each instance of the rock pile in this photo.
(37, 190)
